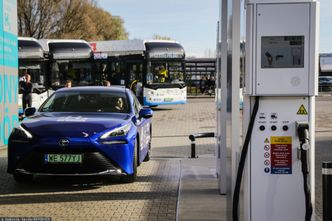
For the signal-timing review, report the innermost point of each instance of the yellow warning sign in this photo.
(281, 140)
(266, 140)
(302, 111)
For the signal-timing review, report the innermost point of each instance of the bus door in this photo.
(135, 73)
(102, 71)
(117, 73)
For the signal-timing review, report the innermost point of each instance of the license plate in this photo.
(63, 158)
(168, 99)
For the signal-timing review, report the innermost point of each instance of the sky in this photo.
(191, 22)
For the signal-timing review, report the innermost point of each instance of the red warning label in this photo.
(281, 155)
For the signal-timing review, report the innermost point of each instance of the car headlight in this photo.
(22, 132)
(120, 131)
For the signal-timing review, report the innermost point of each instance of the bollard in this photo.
(327, 190)
(193, 149)
(193, 137)
(193, 146)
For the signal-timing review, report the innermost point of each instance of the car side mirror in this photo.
(146, 112)
(30, 111)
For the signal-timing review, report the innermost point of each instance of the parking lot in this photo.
(155, 194)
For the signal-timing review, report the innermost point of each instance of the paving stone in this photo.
(152, 197)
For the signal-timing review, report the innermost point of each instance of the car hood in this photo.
(73, 125)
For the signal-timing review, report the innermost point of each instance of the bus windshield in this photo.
(165, 72)
(34, 69)
(79, 72)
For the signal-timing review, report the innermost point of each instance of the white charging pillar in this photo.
(281, 68)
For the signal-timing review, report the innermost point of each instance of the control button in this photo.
(273, 128)
(285, 127)
(262, 127)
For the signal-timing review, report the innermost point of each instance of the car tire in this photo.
(23, 178)
(148, 155)
(130, 178)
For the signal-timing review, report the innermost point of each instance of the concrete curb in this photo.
(200, 96)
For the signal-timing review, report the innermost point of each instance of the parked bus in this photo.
(120, 62)
(154, 70)
(32, 60)
(165, 73)
(69, 60)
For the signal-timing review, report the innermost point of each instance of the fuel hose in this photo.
(236, 195)
(307, 193)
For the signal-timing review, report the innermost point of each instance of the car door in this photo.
(144, 130)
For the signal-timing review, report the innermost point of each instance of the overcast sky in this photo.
(191, 22)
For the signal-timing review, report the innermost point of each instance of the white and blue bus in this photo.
(32, 60)
(69, 60)
(165, 73)
(154, 70)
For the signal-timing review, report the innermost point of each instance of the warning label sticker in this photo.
(281, 155)
(302, 111)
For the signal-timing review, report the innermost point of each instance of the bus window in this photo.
(170, 72)
(34, 69)
(77, 71)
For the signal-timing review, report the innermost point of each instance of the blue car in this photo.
(82, 131)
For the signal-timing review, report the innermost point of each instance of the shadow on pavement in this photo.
(161, 109)
(57, 184)
(82, 196)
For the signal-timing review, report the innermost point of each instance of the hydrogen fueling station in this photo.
(261, 164)
(270, 174)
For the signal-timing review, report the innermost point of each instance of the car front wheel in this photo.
(130, 178)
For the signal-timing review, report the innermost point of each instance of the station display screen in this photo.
(282, 52)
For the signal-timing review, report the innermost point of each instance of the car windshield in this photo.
(86, 102)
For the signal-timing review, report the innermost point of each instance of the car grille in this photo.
(93, 162)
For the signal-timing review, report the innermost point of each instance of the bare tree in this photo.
(108, 27)
(37, 18)
(74, 22)
(79, 19)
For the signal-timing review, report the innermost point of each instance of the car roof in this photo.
(95, 88)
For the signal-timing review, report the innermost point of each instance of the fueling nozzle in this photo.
(303, 133)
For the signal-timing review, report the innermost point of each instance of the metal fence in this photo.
(198, 71)
(325, 88)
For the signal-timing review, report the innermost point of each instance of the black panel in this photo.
(93, 162)
(155, 86)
